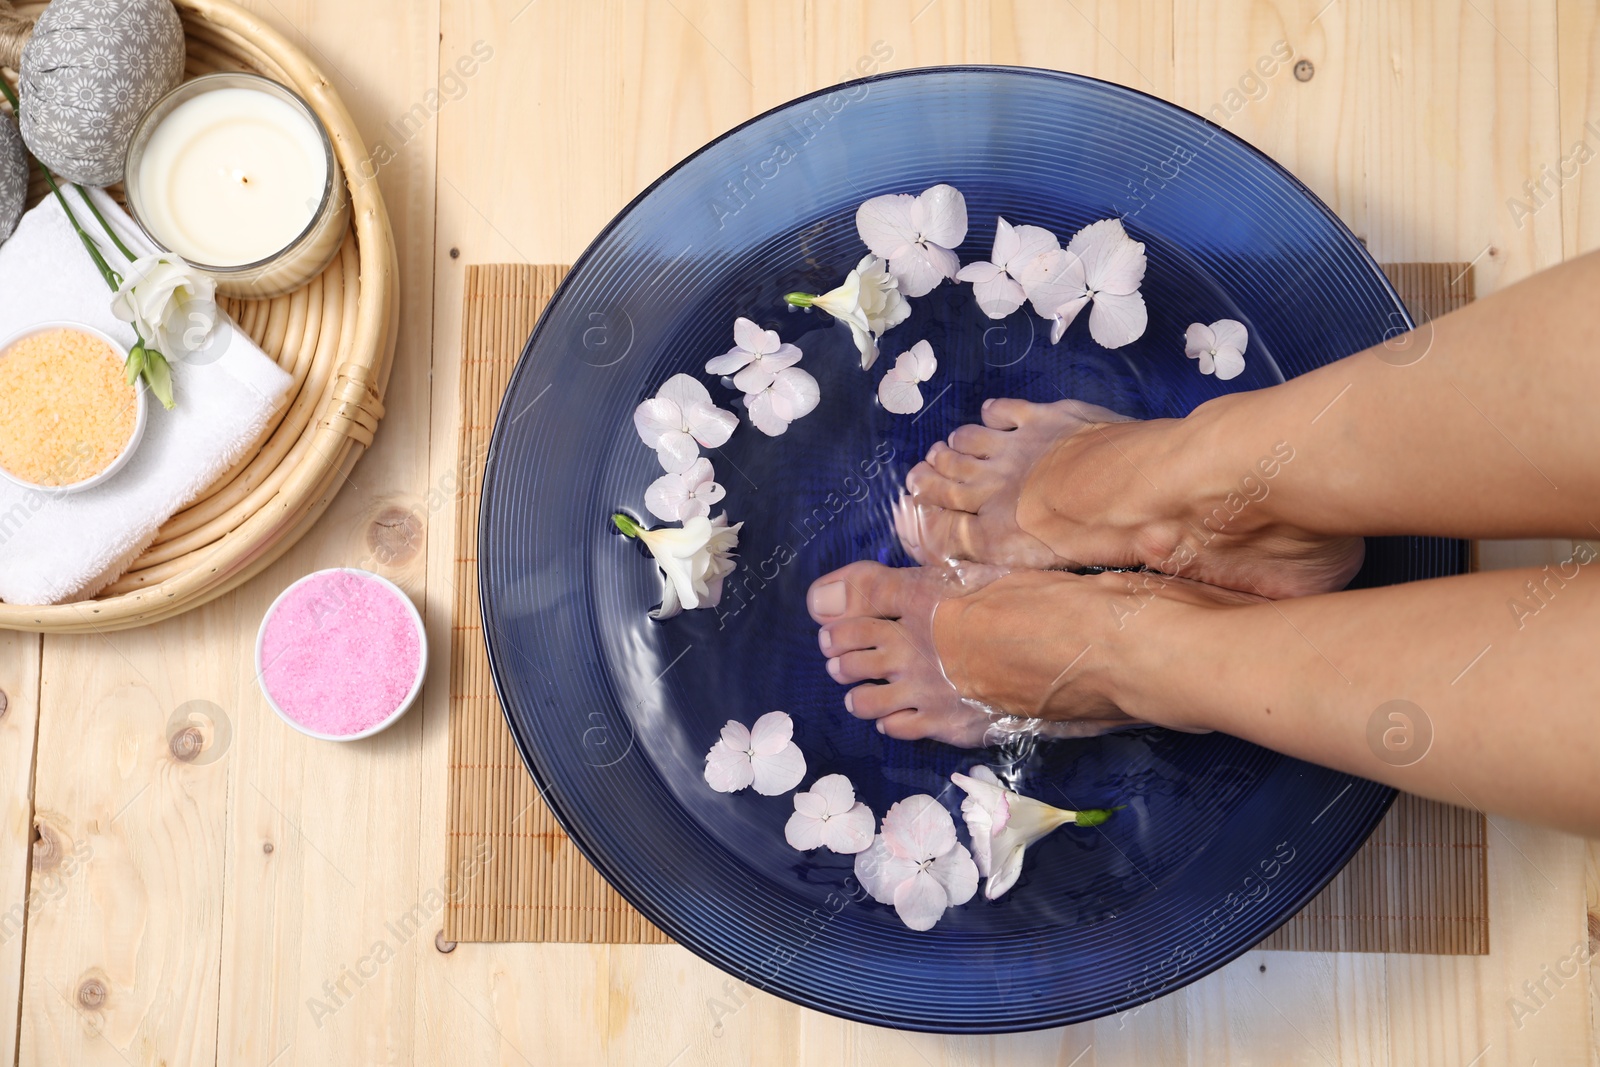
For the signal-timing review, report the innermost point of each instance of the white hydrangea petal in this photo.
(1064, 315)
(1116, 320)
(879, 870)
(1006, 243)
(919, 268)
(1031, 242)
(1121, 267)
(835, 792)
(684, 390)
(729, 362)
(920, 901)
(752, 338)
(764, 415)
(999, 296)
(921, 365)
(785, 355)
(709, 424)
(1208, 363)
(1198, 339)
(754, 378)
(956, 872)
(919, 828)
(1051, 279)
(804, 832)
(849, 831)
(728, 770)
(811, 804)
(666, 496)
(795, 394)
(885, 224)
(1229, 363)
(655, 417)
(677, 451)
(771, 732)
(981, 271)
(898, 395)
(779, 772)
(1230, 333)
(940, 215)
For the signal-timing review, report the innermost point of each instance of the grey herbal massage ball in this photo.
(13, 176)
(89, 72)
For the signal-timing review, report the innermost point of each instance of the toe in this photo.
(863, 666)
(979, 441)
(956, 466)
(877, 700)
(916, 724)
(928, 486)
(862, 588)
(1004, 413)
(854, 633)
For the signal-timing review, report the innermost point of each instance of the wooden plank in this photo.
(19, 718)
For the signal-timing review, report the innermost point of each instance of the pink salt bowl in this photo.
(341, 654)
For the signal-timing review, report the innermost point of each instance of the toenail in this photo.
(833, 669)
(825, 640)
(987, 404)
(879, 725)
(828, 599)
(849, 702)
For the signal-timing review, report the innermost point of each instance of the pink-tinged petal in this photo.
(684, 391)
(1117, 320)
(885, 225)
(1208, 363)
(1006, 243)
(752, 338)
(1229, 363)
(785, 355)
(918, 828)
(836, 792)
(1051, 279)
(1032, 241)
(981, 271)
(879, 870)
(1198, 339)
(956, 872)
(756, 377)
(1113, 262)
(917, 363)
(729, 362)
(919, 268)
(811, 805)
(1230, 333)
(803, 832)
(666, 496)
(727, 769)
(999, 296)
(940, 215)
(764, 415)
(780, 772)
(795, 393)
(709, 424)
(850, 831)
(736, 735)
(655, 417)
(920, 901)
(771, 732)
(898, 395)
(1063, 317)
(677, 451)
(698, 474)
(707, 495)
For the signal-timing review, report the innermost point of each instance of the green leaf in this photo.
(159, 377)
(135, 364)
(625, 524)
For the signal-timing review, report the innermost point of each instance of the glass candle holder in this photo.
(235, 173)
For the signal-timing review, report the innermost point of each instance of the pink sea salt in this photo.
(340, 652)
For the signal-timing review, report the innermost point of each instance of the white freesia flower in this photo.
(756, 358)
(1003, 823)
(693, 559)
(681, 418)
(869, 302)
(1113, 266)
(762, 756)
(898, 390)
(916, 864)
(793, 394)
(677, 497)
(171, 305)
(916, 235)
(829, 816)
(1027, 263)
(1219, 347)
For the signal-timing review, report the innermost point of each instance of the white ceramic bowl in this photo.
(141, 410)
(416, 684)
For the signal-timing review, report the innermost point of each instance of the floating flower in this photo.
(677, 497)
(1113, 266)
(1027, 263)
(693, 559)
(1003, 823)
(829, 816)
(681, 418)
(898, 390)
(1219, 347)
(793, 394)
(916, 235)
(916, 864)
(756, 358)
(869, 302)
(762, 756)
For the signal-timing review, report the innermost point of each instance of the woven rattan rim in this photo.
(335, 336)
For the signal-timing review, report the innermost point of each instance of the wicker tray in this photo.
(335, 336)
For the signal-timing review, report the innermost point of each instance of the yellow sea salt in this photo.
(66, 412)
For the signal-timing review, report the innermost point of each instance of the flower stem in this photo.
(1094, 816)
(104, 225)
(625, 524)
(800, 300)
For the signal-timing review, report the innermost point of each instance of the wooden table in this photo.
(275, 900)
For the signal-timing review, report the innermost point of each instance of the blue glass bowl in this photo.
(1220, 840)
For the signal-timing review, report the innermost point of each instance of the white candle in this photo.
(231, 172)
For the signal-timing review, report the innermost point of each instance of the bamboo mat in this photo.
(1419, 884)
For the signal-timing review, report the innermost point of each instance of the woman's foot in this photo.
(878, 632)
(1069, 485)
